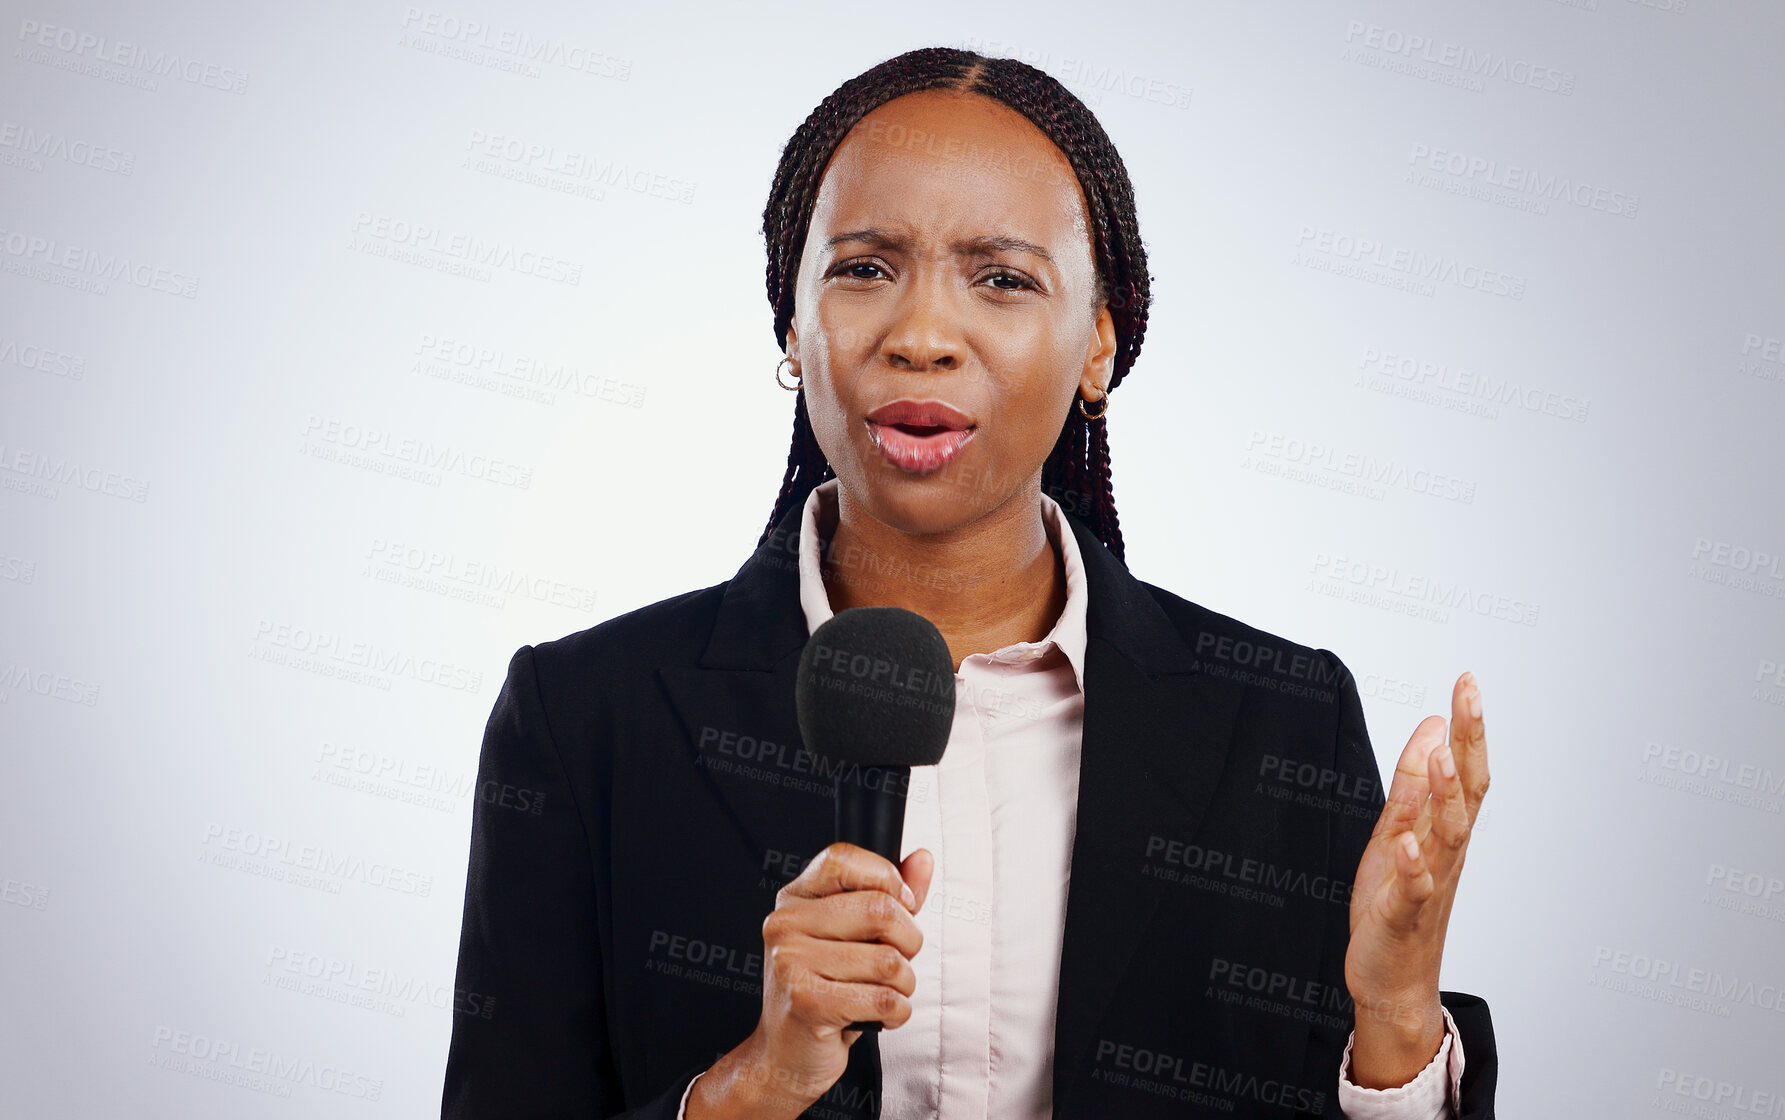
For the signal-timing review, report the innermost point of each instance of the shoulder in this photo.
(1299, 700)
(1300, 733)
(626, 650)
(1234, 650)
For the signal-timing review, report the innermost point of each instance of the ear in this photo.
(793, 345)
(1100, 360)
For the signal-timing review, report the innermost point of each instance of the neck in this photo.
(986, 585)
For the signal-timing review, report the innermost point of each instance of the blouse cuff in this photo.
(1432, 1095)
(682, 1109)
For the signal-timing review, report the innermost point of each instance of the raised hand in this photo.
(1405, 885)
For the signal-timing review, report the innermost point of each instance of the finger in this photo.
(837, 1003)
(1408, 791)
(845, 867)
(918, 870)
(1468, 740)
(1422, 824)
(860, 962)
(865, 916)
(1449, 812)
(1405, 895)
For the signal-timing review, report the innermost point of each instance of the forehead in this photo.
(942, 160)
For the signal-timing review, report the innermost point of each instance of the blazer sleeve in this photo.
(1356, 759)
(530, 1036)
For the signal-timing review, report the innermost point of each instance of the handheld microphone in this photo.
(875, 697)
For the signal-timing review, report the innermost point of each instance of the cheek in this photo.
(1041, 381)
(1031, 415)
(825, 411)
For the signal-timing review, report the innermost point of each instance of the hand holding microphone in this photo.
(875, 696)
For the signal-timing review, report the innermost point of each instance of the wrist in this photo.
(746, 1085)
(1395, 1039)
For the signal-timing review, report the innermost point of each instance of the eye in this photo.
(848, 269)
(1018, 278)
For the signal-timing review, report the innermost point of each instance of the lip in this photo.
(913, 452)
(926, 414)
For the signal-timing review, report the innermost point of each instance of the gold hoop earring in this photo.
(797, 380)
(1081, 408)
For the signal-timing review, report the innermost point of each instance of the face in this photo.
(949, 267)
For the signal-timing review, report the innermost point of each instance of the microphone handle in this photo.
(871, 815)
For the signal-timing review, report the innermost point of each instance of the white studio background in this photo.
(1466, 353)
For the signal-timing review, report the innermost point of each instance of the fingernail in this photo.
(1447, 763)
(1474, 702)
(1410, 846)
(909, 899)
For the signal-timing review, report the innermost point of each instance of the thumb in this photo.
(917, 870)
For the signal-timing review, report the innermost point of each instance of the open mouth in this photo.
(918, 448)
(919, 436)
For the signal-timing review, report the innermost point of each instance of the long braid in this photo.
(1077, 470)
(802, 475)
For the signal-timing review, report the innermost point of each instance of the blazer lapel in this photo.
(736, 705)
(1156, 731)
(1156, 735)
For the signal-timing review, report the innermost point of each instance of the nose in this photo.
(925, 332)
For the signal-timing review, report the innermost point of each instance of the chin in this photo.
(921, 505)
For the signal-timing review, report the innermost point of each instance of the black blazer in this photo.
(643, 794)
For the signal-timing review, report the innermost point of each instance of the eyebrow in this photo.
(970, 247)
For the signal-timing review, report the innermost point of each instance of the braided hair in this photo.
(1076, 473)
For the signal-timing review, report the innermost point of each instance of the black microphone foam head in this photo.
(876, 688)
